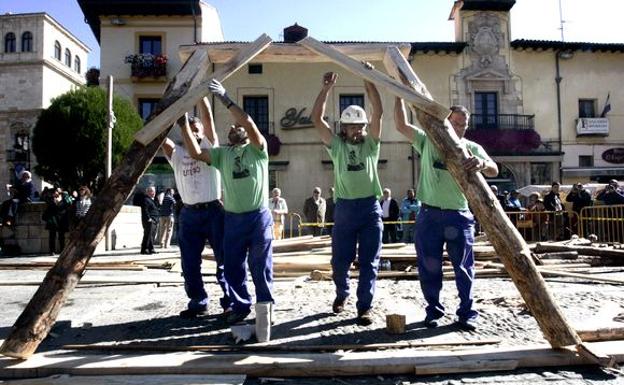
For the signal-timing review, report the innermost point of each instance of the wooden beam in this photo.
(393, 362)
(557, 273)
(33, 325)
(152, 379)
(380, 79)
(187, 101)
(292, 52)
(275, 348)
(507, 241)
(582, 250)
(602, 334)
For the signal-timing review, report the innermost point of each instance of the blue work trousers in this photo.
(356, 221)
(248, 239)
(434, 228)
(196, 226)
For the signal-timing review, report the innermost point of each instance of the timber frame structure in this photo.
(183, 92)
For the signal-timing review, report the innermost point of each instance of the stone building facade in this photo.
(39, 60)
(536, 105)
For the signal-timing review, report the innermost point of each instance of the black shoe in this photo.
(432, 323)
(469, 325)
(192, 313)
(144, 252)
(364, 318)
(338, 305)
(233, 317)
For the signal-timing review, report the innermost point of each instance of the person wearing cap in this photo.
(201, 217)
(444, 216)
(357, 216)
(244, 167)
(514, 201)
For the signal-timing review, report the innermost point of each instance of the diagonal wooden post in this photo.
(35, 322)
(190, 98)
(507, 241)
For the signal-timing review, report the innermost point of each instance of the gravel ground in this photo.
(147, 313)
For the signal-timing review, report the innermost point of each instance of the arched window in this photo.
(77, 64)
(27, 41)
(9, 42)
(57, 50)
(68, 57)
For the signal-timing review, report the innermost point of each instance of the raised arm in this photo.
(207, 119)
(190, 143)
(241, 118)
(400, 120)
(377, 113)
(318, 111)
(168, 147)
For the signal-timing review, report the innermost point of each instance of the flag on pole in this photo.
(607, 106)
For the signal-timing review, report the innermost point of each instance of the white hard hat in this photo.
(353, 115)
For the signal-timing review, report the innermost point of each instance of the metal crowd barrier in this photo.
(296, 221)
(539, 226)
(605, 221)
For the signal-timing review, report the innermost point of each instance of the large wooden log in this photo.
(186, 101)
(507, 241)
(582, 250)
(33, 325)
(393, 362)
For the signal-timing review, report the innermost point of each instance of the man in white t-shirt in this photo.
(202, 215)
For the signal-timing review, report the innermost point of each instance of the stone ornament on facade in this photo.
(486, 38)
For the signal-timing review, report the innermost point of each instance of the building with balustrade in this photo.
(39, 60)
(539, 107)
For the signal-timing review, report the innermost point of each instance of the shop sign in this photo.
(614, 155)
(295, 119)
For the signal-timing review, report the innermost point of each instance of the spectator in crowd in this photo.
(390, 210)
(56, 218)
(580, 197)
(552, 200)
(514, 201)
(314, 211)
(330, 206)
(166, 220)
(410, 206)
(21, 193)
(540, 221)
(149, 220)
(81, 205)
(279, 209)
(611, 194)
(558, 219)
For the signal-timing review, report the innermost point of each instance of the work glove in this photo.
(216, 88)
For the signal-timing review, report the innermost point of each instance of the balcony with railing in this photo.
(143, 66)
(504, 133)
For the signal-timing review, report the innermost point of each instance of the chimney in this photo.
(294, 33)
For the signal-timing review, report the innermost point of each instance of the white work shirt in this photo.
(196, 181)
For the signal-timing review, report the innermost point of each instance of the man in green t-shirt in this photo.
(244, 166)
(444, 216)
(357, 215)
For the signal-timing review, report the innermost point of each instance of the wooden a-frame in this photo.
(183, 92)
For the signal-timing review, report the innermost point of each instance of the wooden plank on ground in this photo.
(187, 101)
(394, 362)
(145, 379)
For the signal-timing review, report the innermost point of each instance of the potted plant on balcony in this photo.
(147, 65)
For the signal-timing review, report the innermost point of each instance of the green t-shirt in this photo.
(436, 185)
(355, 168)
(245, 176)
